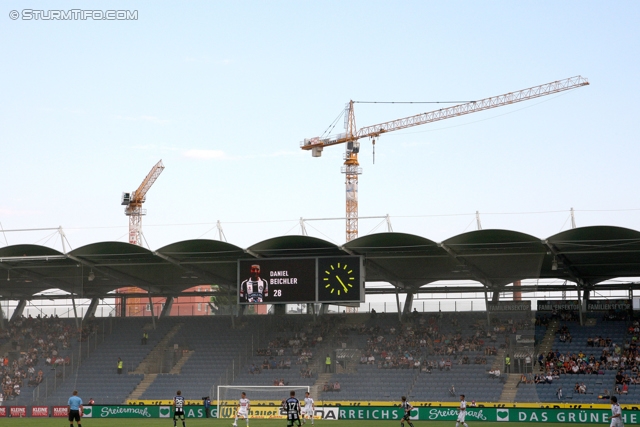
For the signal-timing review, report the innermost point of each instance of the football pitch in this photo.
(198, 422)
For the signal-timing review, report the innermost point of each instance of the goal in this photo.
(228, 396)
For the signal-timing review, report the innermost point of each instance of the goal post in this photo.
(263, 396)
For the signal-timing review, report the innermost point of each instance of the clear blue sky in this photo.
(223, 93)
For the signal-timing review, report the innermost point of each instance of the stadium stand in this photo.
(37, 352)
(98, 377)
(214, 350)
(381, 350)
(574, 362)
(427, 357)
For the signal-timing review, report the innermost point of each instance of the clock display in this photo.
(339, 279)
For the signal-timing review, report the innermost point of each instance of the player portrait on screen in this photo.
(254, 289)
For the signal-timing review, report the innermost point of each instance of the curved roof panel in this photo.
(586, 255)
(213, 260)
(201, 248)
(407, 260)
(597, 253)
(27, 251)
(31, 269)
(295, 246)
(499, 257)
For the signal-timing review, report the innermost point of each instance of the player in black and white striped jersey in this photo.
(407, 412)
(255, 288)
(178, 408)
(292, 407)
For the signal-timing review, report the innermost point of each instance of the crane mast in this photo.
(351, 167)
(133, 202)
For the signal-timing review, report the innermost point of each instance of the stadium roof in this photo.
(492, 258)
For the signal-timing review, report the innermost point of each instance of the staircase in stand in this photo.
(510, 389)
(157, 353)
(142, 387)
(178, 366)
(153, 360)
(547, 342)
(316, 388)
(498, 362)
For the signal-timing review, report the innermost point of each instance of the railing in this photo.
(238, 363)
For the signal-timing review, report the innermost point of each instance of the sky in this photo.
(224, 92)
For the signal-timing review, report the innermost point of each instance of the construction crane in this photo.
(133, 202)
(351, 167)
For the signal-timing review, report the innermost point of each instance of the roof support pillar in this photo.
(408, 304)
(580, 307)
(168, 305)
(19, 310)
(496, 296)
(311, 308)
(398, 305)
(1, 317)
(75, 312)
(123, 306)
(153, 314)
(486, 301)
(91, 311)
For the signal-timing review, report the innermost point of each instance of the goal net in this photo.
(259, 396)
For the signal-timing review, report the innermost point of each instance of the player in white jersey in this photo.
(254, 289)
(462, 412)
(243, 409)
(616, 413)
(308, 409)
(407, 412)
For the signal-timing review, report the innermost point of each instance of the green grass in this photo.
(128, 422)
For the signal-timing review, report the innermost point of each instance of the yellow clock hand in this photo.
(343, 285)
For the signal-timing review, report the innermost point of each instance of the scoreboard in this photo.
(301, 280)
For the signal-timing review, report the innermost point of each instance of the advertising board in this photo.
(539, 415)
(509, 306)
(60, 411)
(18, 411)
(608, 304)
(558, 305)
(39, 411)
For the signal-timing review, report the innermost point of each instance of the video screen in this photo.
(277, 281)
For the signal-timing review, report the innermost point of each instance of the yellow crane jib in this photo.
(134, 200)
(351, 136)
